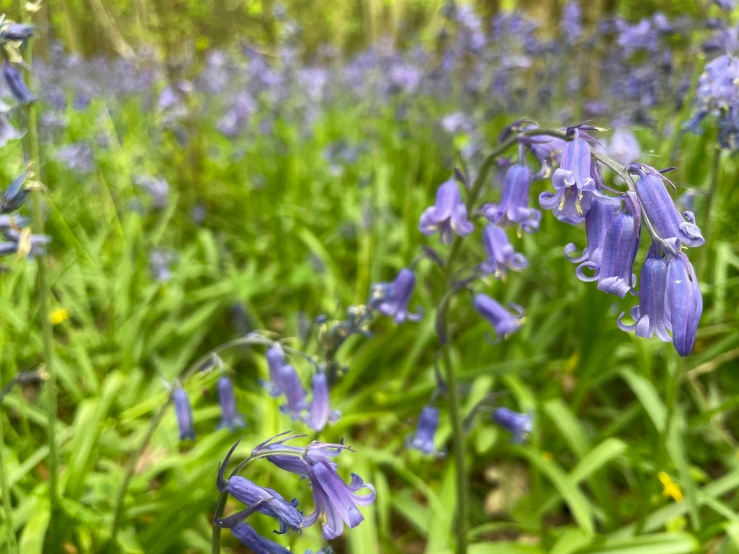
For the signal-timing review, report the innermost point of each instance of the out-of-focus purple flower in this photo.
(597, 222)
(336, 502)
(293, 390)
(514, 201)
(640, 36)
(501, 319)
(726, 5)
(392, 299)
(320, 412)
(17, 86)
(619, 250)
(159, 262)
(423, 439)
(8, 132)
(156, 187)
(574, 169)
(718, 85)
(247, 536)
(447, 215)
(650, 316)
(77, 157)
(230, 417)
(571, 22)
(275, 361)
(15, 194)
(183, 411)
(684, 303)
(623, 146)
(457, 122)
(500, 253)
(661, 211)
(519, 425)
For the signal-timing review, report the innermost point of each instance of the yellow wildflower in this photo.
(671, 488)
(58, 315)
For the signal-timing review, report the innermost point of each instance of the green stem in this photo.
(7, 499)
(215, 542)
(712, 190)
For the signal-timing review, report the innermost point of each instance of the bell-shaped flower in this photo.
(619, 250)
(684, 302)
(567, 203)
(15, 194)
(294, 392)
(500, 253)
(295, 464)
(320, 412)
(448, 215)
(17, 86)
(650, 316)
(597, 222)
(183, 411)
(574, 169)
(548, 152)
(336, 501)
(392, 299)
(519, 425)
(230, 417)
(247, 536)
(623, 146)
(275, 361)
(423, 439)
(514, 201)
(504, 322)
(662, 213)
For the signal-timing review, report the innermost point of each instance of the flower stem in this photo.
(713, 189)
(215, 542)
(7, 499)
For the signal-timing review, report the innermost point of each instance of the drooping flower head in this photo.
(501, 319)
(320, 412)
(230, 417)
(574, 169)
(294, 392)
(183, 411)
(619, 250)
(514, 201)
(423, 439)
(500, 253)
(15, 194)
(16, 85)
(684, 302)
(448, 215)
(650, 316)
(597, 222)
(392, 299)
(519, 425)
(247, 536)
(275, 361)
(623, 146)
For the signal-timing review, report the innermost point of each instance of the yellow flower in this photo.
(58, 315)
(671, 488)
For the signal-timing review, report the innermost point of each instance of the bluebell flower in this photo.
(320, 412)
(16, 85)
(230, 418)
(294, 392)
(726, 5)
(650, 316)
(8, 132)
(423, 439)
(247, 536)
(501, 319)
(500, 253)
(619, 250)
(159, 262)
(294, 464)
(514, 201)
(684, 302)
(519, 425)
(183, 411)
(392, 299)
(15, 194)
(571, 22)
(597, 222)
(77, 157)
(18, 31)
(574, 169)
(547, 151)
(447, 215)
(10, 221)
(623, 146)
(157, 188)
(336, 502)
(275, 361)
(661, 211)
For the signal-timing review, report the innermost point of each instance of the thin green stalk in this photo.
(712, 190)
(215, 542)
(7, 499)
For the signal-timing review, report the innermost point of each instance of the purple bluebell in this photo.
(650, 316)
(661, 211)
(392, 299)
(8, 132)
(619, 250)
(159, 264)
(568, 204)
(230, 417)
(447, 215)
(571, 22)
(726, 5)
(156, 187)
(275, 361)
(519, 425)
(623, 146)
(336, 502)
(684, 303)
(597, 222)
(17, 31)
(500, 253)
(320, 412)
(183, 411)
(514, 201)
(423, 439)
(247, 536)
(294, 392)
(548, 152)
(501, 319)
(77, 157)
(574, 169)
(295, 464)
(16, 85)
(15, 194)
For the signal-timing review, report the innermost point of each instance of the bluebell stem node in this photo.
(423, 439)
(230, 417)
(621, 244)
(275, 361)
(501, 319)
(650, 316)
(320, 412)
(514, 201)
(519, 425)
(448, 215)
(392, 299)
(500, 253)
(17, 86)
(183, 411)
(684, 302)
(336, 501)
(247, 536)
(294, 392)
(597, 222)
